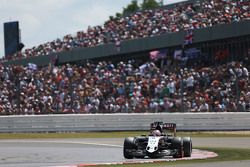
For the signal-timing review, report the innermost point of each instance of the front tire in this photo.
(127, 147)
(187, 146)
(178, 145)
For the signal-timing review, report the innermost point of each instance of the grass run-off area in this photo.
(117, 134)
(225, 154)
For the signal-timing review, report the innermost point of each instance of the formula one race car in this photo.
(158, 144)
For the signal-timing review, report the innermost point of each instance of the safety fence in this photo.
(121, 122)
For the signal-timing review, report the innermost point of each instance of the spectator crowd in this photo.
(131, 86)
(200, 14)
(107, 87)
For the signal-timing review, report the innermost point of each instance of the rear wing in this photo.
(165, 128)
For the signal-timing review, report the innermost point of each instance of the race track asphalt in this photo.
(55, 152)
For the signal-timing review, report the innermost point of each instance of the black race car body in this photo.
(157, 146)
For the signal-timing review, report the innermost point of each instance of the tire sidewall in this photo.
(128, 145)
(178, 145)
(187, 146)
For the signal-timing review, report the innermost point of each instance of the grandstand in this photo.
(187, 57)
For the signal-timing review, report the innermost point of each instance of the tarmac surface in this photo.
(70, 152)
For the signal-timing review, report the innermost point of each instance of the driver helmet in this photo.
(156, 133)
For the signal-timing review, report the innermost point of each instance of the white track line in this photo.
(64, 142)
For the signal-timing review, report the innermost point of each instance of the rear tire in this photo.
(178, 145)
(128, 145)
(187, 146)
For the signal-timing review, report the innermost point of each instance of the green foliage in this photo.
(115, 134)
(118, 15)
(149, 4)
(132, 7)
(111, 17)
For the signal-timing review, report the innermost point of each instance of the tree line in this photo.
(134, 6)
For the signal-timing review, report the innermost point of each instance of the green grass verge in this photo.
(115, 134)
(225, 154)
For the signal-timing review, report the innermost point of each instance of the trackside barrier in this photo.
(121, 122)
